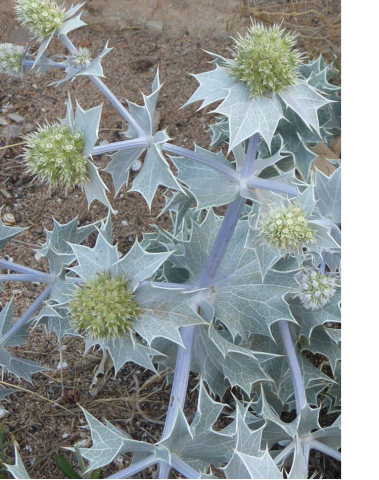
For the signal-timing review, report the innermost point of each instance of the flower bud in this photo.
(82, 58)
(103, 307)
(316, 289)
(265, 59)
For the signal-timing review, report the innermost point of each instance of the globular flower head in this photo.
(104, 307)
(40, 17)
(11, 57)
(286, 227)
(54, 154)
(316, 289)
(82, 58)
(266, 59)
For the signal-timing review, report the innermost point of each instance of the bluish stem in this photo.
(168, 147)
(248, 168)
(113, 147)
(284, 453)
(107, 93)
(323, 264)
(135, 468)
(26, 316)
(297, 378)
(306, 451)
(321, 447)
(263, 184)
(15, 267)
(29, 64)
(28, 277)
(183, 468)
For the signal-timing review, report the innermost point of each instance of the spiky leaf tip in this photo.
(104, 307)
(40, 17)
(266, 60)
(54, 154)
(286, 228)
(11, 59)
(316, 289)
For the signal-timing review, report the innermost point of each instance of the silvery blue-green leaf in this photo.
(248, 466)
(308, 420)
(108, 442)
(330, 435)
(93, 260)
(71, 24)
(126, 349)
(219, 132)
(179, 203)
(155, 170)
(164, 312)
(71, 11)
(17, 470)
(267, 256)
(139, 265)
(299, 469)
(309, 319)
(307, 200)
(43, 46)
(57, 321)
(305, 101)
(7, 233)
(248, 115)
(214, 86)
(328, 195)
(320, 342)
(20, 367)
(332, 399)
(303, 157)
(4, 392)
(219, 361)
(209, 186)
(88, 121)
(200, 444)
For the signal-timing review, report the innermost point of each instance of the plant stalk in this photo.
(113, 147)
(321, 447)
(135, 468)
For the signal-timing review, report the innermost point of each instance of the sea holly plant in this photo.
(242, 299)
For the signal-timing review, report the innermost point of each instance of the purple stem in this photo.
(293, 364)
(135, 468)
(113, 147)
(28, 277)
(107, 93)
(263, 184)
(26, 316)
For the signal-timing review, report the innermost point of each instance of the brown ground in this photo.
(39, 419)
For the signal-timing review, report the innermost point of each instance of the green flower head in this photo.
(104, 307)
(54, 154)
(40, 17)
(265, 59)
(286, 228)
(82, 58)
(11, 59)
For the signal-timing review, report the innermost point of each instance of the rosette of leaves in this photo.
(155, 170)
(259, 113)
(296, 135)
(45, 18)
(60, 153)
(161, 312)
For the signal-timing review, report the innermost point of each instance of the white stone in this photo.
(16, 118)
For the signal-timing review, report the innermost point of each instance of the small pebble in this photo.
(84, 443)
(119, 461)
(37, 257)
(64, 365)
(116, 212)
(104, 142)
(131, 239)
(136, 165)
(64, 347)
(65, 435)
(124, 223)
(16, 118)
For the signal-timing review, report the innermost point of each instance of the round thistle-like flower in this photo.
(54, 154)
(40, 17)
(286, 228)
(316, 289)
(11, 59)
(266, 60)
(82, 58)
(103, 307)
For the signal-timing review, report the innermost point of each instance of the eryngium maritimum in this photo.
(40, 17)
(286, 228)
(316, 289)
(265, 59)
(103, 307)
(11, 59)
(54, 154)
